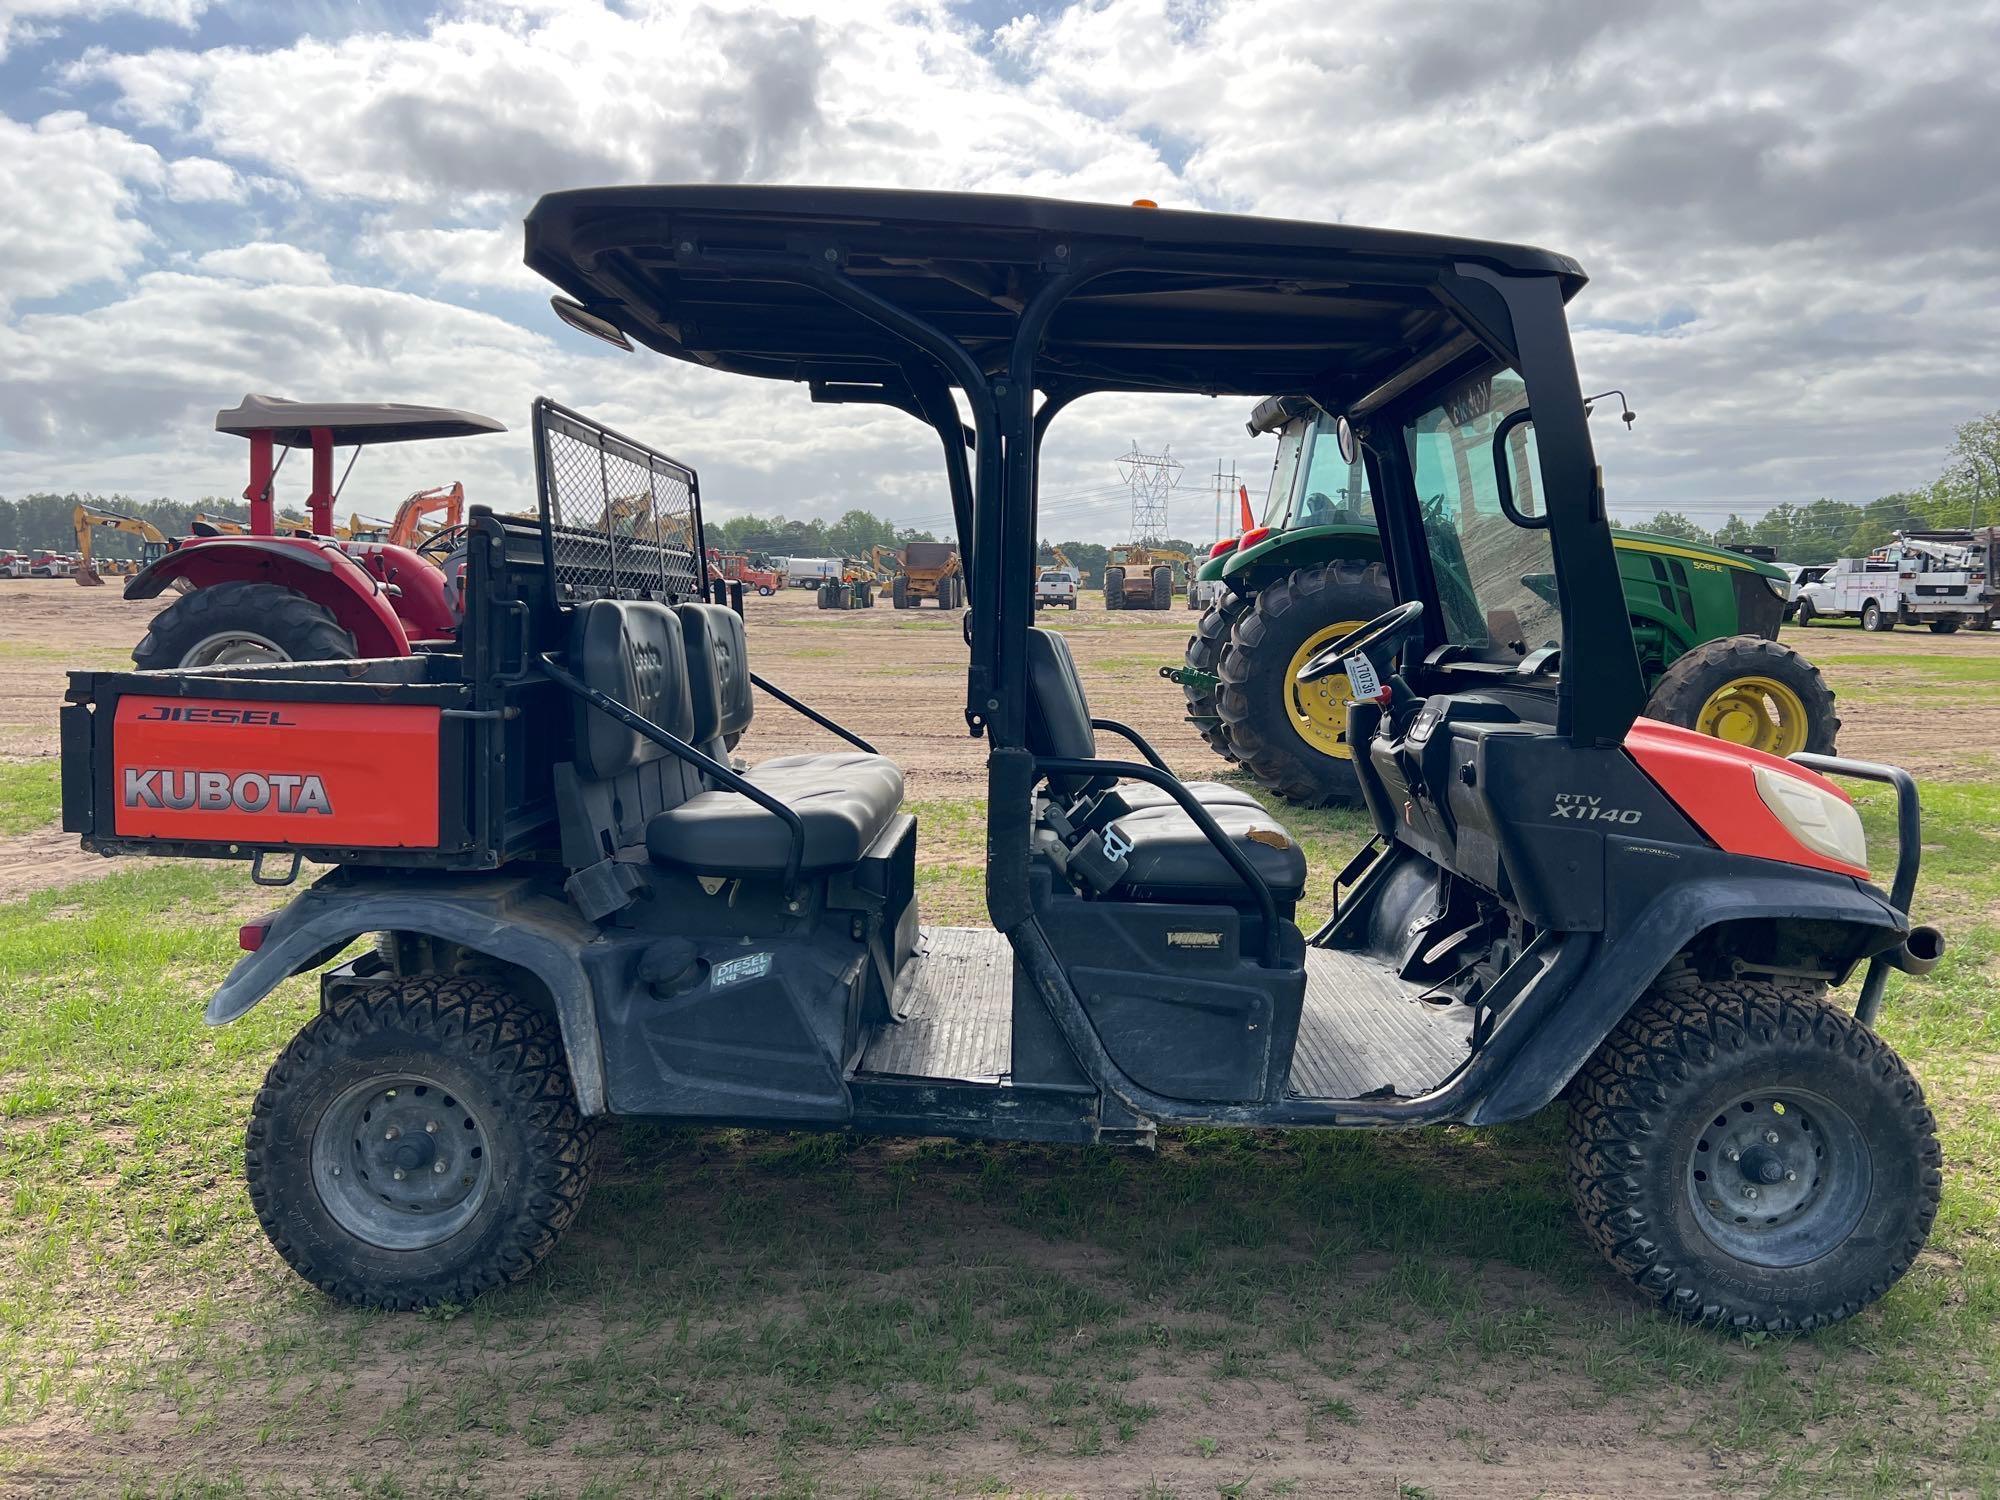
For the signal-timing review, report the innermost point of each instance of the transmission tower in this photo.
(1225, 500)
(1151, 477)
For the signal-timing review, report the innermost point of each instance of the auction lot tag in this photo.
(1363, 678)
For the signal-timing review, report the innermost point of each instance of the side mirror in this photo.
(1350, 446)
(583, 320)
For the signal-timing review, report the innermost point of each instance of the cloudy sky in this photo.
(1790, 210)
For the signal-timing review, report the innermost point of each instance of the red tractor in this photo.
(265, 596)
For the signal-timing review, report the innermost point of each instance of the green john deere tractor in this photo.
(1705, 619)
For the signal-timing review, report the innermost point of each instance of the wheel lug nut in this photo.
(1733, 1154)
(1748, 1192)
(1791, 1177)
(1770, 1137)
(398, 1174)
(391, 1133)
(439, 1168)
(430, 1127)
(336, 1171)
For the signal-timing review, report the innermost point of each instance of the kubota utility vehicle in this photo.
(266, 593)
(1705, 619)
(588, 911)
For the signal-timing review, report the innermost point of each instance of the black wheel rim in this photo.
(401, 1162)
(1778, 1177)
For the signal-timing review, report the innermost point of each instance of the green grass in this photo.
(743, 1312)
(30, 795)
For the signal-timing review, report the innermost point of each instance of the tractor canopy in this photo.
(351, 423)
(902, 298)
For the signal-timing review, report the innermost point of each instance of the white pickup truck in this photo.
(1912, 581)
(1055, 588)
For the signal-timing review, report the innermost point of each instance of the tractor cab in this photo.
(1558, 896)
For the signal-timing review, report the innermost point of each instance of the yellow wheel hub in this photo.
(1760, 712)
(1319, 709)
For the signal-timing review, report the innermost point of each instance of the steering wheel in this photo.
(1380, 631)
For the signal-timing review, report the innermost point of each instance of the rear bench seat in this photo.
(1169, 858)
(687, 671)
(845, 798)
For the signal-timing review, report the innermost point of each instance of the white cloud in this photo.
(70, 187)
(25, 21)
(269, 261)
(470, 257)
(201, 179)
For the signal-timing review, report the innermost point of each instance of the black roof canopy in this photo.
(1213, 303)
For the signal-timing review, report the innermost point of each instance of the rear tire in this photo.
(899, 592)
(1265, 721)
(1204, 655)
(1163, 588)
(1874, 617)
(1114, 588)
(1749, 691)
(1677, 1179)
(1944, 627)
(463, 1055)
(241, 622)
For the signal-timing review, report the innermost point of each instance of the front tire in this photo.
(1114, 588)
(418, 1143)
(1293, 739)
(1204, 655)
(1749, 691)
(1752, 1157)
(230, 624)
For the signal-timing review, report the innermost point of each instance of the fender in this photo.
(423, 608)
(311, 566)
(512, 919)
(1299, 547)
(1620, 970)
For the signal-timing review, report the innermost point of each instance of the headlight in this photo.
(1824, 821)
(1777, 586)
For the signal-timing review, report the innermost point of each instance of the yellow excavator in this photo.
(89, 520)
(409, 528)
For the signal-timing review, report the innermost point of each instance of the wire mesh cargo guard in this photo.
(620, 520)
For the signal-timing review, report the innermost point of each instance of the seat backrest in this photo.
(1058, 712)
(718, 675)
(630, 650)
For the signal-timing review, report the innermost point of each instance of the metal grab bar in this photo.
(812, 713)
(1267, 904)
(640, 724)
(1138, 741)
(1909, 854)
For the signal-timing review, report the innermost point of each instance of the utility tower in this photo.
(1151, 477)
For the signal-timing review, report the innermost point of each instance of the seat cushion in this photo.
(1172, 860)
(844, 801)
(1137, 796)
(629, 650)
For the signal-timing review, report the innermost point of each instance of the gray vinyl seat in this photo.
(1059, 724)
(1168, 857)
(844, 800)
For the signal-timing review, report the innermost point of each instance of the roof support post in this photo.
(263, 516)
(319, 503)
(941, 412)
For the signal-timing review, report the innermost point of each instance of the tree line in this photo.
(42, 522)
(1967, 493)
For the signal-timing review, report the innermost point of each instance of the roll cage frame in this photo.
(660, 265)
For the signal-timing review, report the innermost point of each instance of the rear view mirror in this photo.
(1350, 447)
(583, 320)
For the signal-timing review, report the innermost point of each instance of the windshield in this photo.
(1311, 485)
(1496, 581)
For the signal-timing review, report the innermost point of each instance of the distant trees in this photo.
(39, 522)
(774, 536)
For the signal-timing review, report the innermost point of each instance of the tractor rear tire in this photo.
(1265, 719)
(1749, 691)
(240, 623)
(379, 1091)
(1750, 1156)
(1163, 588)
(1204, 655)
(1114, 588)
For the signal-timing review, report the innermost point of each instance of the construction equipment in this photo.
(853, 589)
(736, 567)
(1141, 576)
(90, 519)
(293, 592)
(929, 570)
(564, 902)
(1939, 579)
(1704, 620)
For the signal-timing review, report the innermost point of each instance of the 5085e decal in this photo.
(347, 775)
